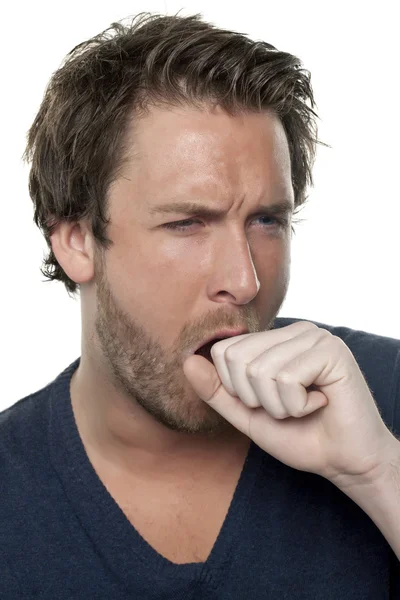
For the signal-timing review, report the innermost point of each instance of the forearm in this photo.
(380, 500)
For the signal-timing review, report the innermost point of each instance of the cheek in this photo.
(173, 249)
(144, 274)
(272, 265)
(270, 257)
(178, 263)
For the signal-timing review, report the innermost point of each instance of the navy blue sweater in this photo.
(287, 535)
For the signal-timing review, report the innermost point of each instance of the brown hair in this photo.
(77, 142)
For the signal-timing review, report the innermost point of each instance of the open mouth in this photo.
(206, 349)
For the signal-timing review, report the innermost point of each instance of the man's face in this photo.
(162, 291)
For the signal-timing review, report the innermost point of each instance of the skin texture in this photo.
(157, 292)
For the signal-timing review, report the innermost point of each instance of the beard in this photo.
(148, 374)
(145, 372)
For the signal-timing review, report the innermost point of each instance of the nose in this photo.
(234, 270)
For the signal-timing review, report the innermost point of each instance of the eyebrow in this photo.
(195, 208)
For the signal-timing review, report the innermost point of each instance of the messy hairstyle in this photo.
(78, 144)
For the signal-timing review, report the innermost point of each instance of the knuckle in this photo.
(306, 325)
(317, 333)
(324, 335)
(341, 345)
(253, 370)
(284, 377)
(338, 340)
(325, 332)
(230, 354)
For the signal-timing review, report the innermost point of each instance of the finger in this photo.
(294, 382)
(265, 366)
(251, 346)
(302, 372)
(218, 355)
(299, 401)
(255, 382)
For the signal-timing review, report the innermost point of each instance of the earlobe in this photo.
(73, 249)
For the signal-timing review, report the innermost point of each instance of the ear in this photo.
(73, 247)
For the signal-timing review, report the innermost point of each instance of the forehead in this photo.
(188, 151)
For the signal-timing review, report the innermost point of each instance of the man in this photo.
(167, 164)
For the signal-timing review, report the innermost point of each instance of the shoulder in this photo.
(22, 437)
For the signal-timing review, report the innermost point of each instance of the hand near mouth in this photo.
(299, 394)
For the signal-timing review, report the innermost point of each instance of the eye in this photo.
(178, 225)
(186, 224)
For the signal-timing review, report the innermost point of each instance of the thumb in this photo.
(204, 379)
(202, 375)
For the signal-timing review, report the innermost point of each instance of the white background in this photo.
(345, 253)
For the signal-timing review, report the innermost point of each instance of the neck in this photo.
(126, 436)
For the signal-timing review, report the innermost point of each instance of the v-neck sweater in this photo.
(287, 534)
